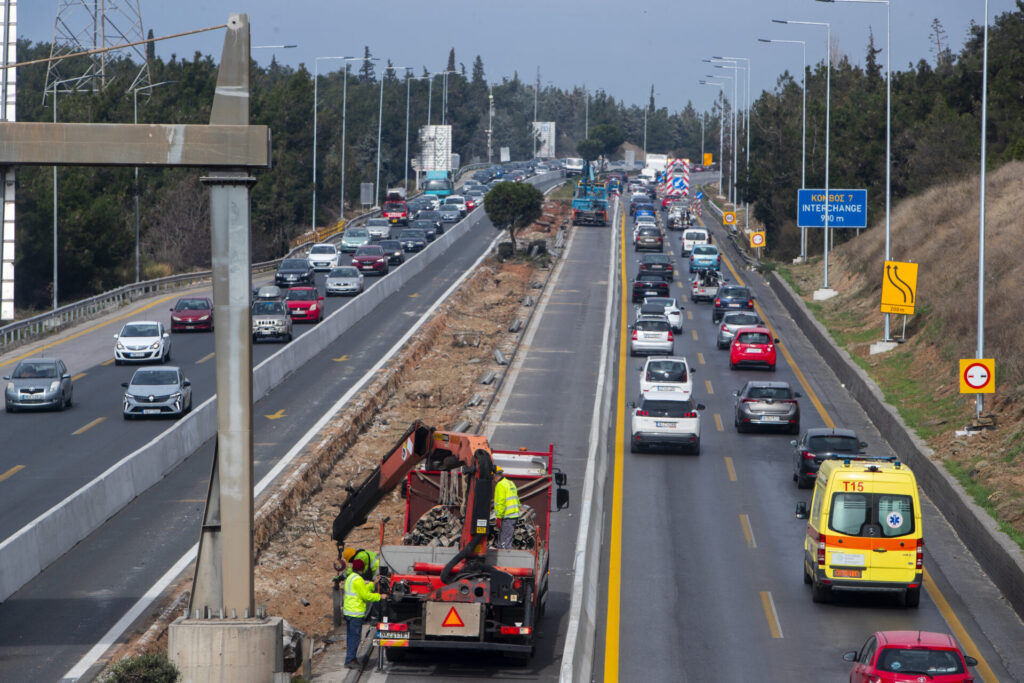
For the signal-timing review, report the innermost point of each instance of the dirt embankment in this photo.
(939, 231)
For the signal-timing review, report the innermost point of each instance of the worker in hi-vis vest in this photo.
(358, 592)
(506, 507)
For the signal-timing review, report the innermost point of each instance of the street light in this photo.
(888, 125)
(380, 123)
(721, 128)
(828, 102)
(746, 105)
(135, 101)
(316, 87)
(408, 82)
(803, 153)
(444, 98)
(746, 163)
(981, 213)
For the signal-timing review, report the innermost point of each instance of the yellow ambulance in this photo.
(864, 529)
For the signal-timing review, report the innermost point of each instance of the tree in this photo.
(366, 71)
(609, 135)
(451, 60)
(478, 71)
(511, 206)
(589, 149)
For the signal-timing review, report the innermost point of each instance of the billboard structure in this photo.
(435, 148)
(545, 132)
(7, 111)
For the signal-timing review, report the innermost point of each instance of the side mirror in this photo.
(970, 661)
(693, 370)
(793, 442)
(171, 309)
(561, 499)
(187, 383)
(736, 393)
(701, 406)
(166, 335)
(799, 395)
(801, 510)
(116, 336)
(850, 656)
(67, 375)
(124, 384)
(632, 404)
(863, 444)
(776, 340)
(560, 478)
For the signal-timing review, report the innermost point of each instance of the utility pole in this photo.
(490, 120)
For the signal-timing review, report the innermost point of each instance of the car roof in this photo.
(916, 639)
(324, 244)
(831, 431)
(142, 322)
(653, 318)
(147, 368)
(45, 361)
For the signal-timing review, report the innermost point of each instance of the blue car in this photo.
(705, 257)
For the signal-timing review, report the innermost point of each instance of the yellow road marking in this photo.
(748, 532)
(275, 416)
(108, 362)
(718, 423)
(87, 330)
(89, 426)
(700, 358)
(689, 315)
(341, 359)
(11, 472)
(414, 295)
(79, 376)
(205, 358)
(678, 284)
(730, 469)
(769, 612)
(707, 385)
(694, 333)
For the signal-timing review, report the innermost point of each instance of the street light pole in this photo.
(746, 163)
(646, 107)
(732, 189)
(408, 82)
(135, 106)
(344, 112)
(586, 116)
(981, 213)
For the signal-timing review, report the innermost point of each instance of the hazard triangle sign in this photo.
(453, 620)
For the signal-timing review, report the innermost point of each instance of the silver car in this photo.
(651, 334)
(344, 281)
(38, 383)
(733, 321)
(450, 213)
(155, 392)
(270, 319)
(380, 228)
(767, 404)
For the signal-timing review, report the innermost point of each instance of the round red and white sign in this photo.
(757, 239)
(977, 376)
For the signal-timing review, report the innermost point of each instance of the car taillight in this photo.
(807, 454)
(725, 328)
(750, 400)
(634, 334)
(690, 414)
(641, 413)
(390, 626)
(670, 337)
(920, 553)
(750, 303)
(718, 302)
(821, 551)
(792, 401)
(516, 630)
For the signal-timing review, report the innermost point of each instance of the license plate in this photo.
(651, 291)
(393, 635)
(266, 333)
(150, 411)
(136, 355)
(650, 336)
(771, 418)
(665, 425)
(854, 559)
(754, 350)
(666, 387)
(848, 573)
(734, 305)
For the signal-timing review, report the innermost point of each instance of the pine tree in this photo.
(150, 47)
(478, 71)
(366, 71)
(451, 60)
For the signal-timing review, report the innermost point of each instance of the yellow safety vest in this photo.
(357, 594)
(506, 499)
(369, 558)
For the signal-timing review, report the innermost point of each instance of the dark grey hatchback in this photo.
(817, 444)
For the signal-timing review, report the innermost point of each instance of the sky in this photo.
(620, 47)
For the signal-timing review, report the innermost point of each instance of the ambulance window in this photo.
(895, 514)
(850, 511)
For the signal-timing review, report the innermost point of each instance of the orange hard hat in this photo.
(348, 554)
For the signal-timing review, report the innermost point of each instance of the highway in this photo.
(704, 561)
(48, 625)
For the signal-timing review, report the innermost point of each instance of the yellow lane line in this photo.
(611, 636)
(770, 614)
(718, 423)
(700, 358)
(87, 330)
(11, 472)
(748, 531)
(689, 315)
(108, 362)
(89, 426)
(205, 358)
(729, 467)
(694, 333)
(707, 385)
(79, 376)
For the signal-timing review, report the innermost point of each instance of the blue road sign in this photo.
(846, 208)
(700, 195)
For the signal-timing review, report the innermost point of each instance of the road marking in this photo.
(275, 416)
(707, 385)
(414, 295)
(87, 330)
(107, 362)
(774, 627)
(341, 359)
(694, 333)
(79, 376)
(11, 472)
(718, 423)
(700, 358)
(89, 426)
(266, 444)
(679, 284)
(730, 469)
(689, 315)
(205, 358)
(748, 532)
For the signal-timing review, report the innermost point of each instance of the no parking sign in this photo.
(977, 376)
(756, 240)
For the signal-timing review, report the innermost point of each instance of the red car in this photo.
(890, 656)
(667, 201)
(192, 313)
(752, 346)
(371, 259)
(305, 303)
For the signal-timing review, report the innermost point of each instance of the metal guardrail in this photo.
(31, 329)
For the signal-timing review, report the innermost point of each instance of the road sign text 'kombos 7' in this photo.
(846, 208)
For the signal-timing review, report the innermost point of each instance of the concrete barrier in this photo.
(996, 552)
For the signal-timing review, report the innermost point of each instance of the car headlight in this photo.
(10, 388)
(204, 317)
(155, 345)
(119, 346)
(312, 307)
(176, 318)
(175, 396)
(54, 385)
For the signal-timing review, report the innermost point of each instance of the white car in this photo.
(651, 334)
(672, 374)
(142, 341)
(665, 419)
(323, 256)
(693, 237)
(458, 201)
(670, 309)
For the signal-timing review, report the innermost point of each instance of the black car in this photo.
(292, 272)
(731, 298)
(660, 264)
(649, 284)
(432, 216)
(413, 239)
(393, 249)
(816, 445)
(430, 228)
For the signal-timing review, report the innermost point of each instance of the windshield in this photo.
(412, 234)
(429, 215)
(733, 292)
(667, 408)
(666, 371)
(832, 443)
(705, 251)
(661, 300)
(438, 185)
(872, 514)
(389, 245)
(920, 661)
(268, 308)
(154, 377)
(323, 249)
(357, 232)
(378, 223)
(192, 305)
(394, 206)
(657, 258)
(647, 232)
(347, 271)
(770, 392)
(369, 251)
(652, 326)
(693, 236)
(293, 264)
(141, 330)
(754, 338)
(454, 200)
(301, 295)
(35, 370)
(741, 319)
(423, 225)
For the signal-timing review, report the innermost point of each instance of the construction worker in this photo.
(370, 559)
(358, 592)
(506, 507)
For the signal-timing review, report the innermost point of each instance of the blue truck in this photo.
(438, 183)
(590, 201)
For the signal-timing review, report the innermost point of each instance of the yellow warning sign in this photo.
(899, 287)
(977, 376)
(707, 159)
(453, 620)
(729, 218)
(756, 240)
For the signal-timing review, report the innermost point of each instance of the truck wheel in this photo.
(396, 655)
(912, 598)
(820, 593)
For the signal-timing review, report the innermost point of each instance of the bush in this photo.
(148, 668)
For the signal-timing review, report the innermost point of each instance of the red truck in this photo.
(460, 592)
(395, 209)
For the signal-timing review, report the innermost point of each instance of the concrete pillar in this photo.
(228, 650)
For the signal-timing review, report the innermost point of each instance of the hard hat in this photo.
(498, 469)
(358, 565)
(348, 554)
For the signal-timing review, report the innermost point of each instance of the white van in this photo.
(573, 167)
(693, 236)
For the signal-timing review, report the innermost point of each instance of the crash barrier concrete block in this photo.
(228, 650)
(997, 554)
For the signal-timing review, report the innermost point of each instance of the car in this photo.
(292, 272)
(704, 285)
(413, 239)
(353, 238)
(421, 203)
(371, 259)
(305, 303)
(692, 237)
(430, 228)
(669, 309)
(817, 444)
(672, 374)
(657, 263)
(732, 321)
(651, 334)
(142, 341)
(323, 256)
(192, 313)
(153, 392)
(271, 320)
(38, 383)
(766, 404)
(457, 201)
(910, 656)
(730, 298)
(393, 248)
(753, 346)
(648, 284)
(379, 228)
(665, 419)
(433, 216)
(450, 213)
(649, 238)
(470, 203)
(344, 280)
(268, 292)
(705, 257)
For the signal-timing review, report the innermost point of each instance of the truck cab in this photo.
(438, 184)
